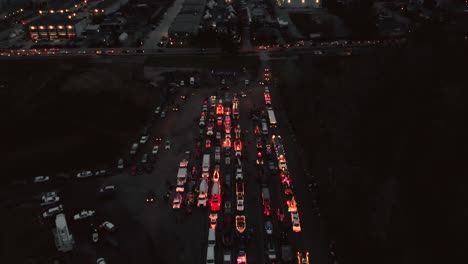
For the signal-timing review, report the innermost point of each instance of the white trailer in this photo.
(203, 193)
(271, 117)
(206, 166)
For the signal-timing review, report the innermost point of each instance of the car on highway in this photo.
(227, 207)
(318, 52)
(100, 261)
(271, 251)
(218, 135)
(143, 139)
(302, 258)
(240, 203)
(49, 199)
(268, 227)
(239, 175)
(155, 150)
(240, 223)
(213, 220)
(219, 121)
(100, 173)
(217, 154)
(107, 189)
(208, 143)
(209, 130)
(177, 202)
(120, 164)
(227, 160)
(243, 95)
(259, 161)
(168, 145)
(163, 114)
(83, 214)
(150, 197)
(271, 165)
(106, 225)
(296, 224)
(41, 179)
(52, 211)
(144, 158)
(187, 154)
(176, 108)
(257, 131)
(48, 194)
(84, 174)
(157, 111)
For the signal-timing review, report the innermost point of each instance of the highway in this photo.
(328, 49)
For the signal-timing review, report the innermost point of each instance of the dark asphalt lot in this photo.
(156, 232)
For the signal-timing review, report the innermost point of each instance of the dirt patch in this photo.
(313, 24)
(62, 115)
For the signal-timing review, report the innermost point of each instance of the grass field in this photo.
(63, 115)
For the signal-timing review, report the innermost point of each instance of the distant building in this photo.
(56, 26)
(12, 9)
(186, 24)
(104, 8)
(300, 3)
(69, 6)
(63, 239)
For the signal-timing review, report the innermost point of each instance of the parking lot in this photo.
(154, 230)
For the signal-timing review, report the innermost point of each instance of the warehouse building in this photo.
(56, 26)
(186, 24)
(104, 8)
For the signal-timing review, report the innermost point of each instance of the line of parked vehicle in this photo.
(271, 147)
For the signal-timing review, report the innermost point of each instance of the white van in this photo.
(211, 237)
(264, 127)
(210, 257)
(203, 190)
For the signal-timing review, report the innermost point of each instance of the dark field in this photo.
(385, 136)
(67, 115)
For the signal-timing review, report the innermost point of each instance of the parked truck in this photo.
(206, 166)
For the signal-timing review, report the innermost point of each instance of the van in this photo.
(211, 237)
(264, 127)
(227, 257)
(134, 149)
(210, 254)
